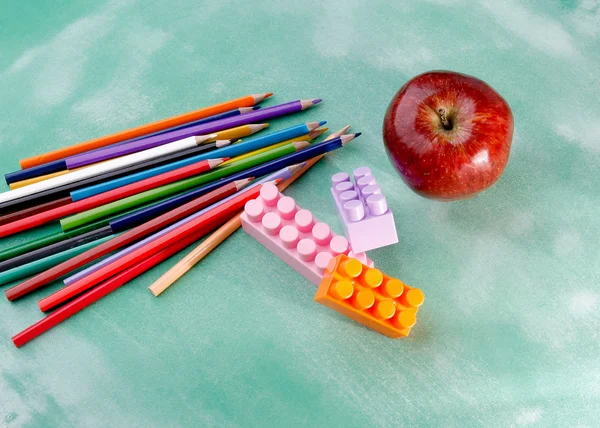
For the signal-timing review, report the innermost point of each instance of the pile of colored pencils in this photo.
(130, 200)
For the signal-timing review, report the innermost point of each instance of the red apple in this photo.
(448, 135)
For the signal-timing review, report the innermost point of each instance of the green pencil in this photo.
(38, 266)
(55, 237)
(88, 216)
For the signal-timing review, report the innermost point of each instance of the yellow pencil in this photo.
(238, 132)
(29, 181)
(306, 137)
(222, 233)
(226, 134)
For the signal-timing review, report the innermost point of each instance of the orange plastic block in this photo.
(368, 296)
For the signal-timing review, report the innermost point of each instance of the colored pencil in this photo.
(225, 115)
(52, 238)
(204, 129)
(112, 284)
(28, 176)
(210, 220)
(102, 290)
(55, 248)
(247, 101)
(27, 181)
(27, 212)
(230, 151)
(43, 169)
(63, 191)
(257, 171)
(161, 192)
(217, 237)
(282, 174)
(126, 238)
(41, 265)
(122, 193)
(100, 168)
(310, 137)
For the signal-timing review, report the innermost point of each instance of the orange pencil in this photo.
(149, 128)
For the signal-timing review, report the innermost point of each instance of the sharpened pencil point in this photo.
(323, 122)
(338, 133)
(256, 107)
(309, 103)
(216, 162)
(317, 133)
(240, 184)
(254, 128)
(260, 97)
(358, 134)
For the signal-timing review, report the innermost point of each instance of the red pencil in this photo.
(126, 238)
(110, 196)
(215, 216)
(28, 212)
(102, 290)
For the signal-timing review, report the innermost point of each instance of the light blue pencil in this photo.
(229, 151)
(283, 173)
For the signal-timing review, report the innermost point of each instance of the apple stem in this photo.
(445, 122)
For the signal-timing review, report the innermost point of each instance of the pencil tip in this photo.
(216, 162)
(255, 127)
(323, 122)
(358, 134)
(316, 101)
(256, 107)
(260, 97)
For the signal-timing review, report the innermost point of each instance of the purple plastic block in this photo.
(367, 220)
(293, 234)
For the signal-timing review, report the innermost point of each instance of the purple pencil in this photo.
(283, 174)
(178, 134)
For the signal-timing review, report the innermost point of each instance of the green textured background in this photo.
(510, 330)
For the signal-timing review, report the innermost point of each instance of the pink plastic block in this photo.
(293, 234)
(367, 220)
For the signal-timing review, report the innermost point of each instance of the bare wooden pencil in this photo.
(210, 243)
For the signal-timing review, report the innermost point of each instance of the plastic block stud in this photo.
(367, 220)
(293, 234)
(369, 297)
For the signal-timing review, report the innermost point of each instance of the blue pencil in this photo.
(283, 174)
(142, 215)
(61, 165)
(36, 171)
(229, 151)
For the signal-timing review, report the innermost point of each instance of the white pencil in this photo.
(104, 167)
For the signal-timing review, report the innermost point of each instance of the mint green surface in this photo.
(509, 332)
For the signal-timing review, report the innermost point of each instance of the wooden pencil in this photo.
(102, 167)
(247, 101)
(229, 151)
(33, 210)
(310, 137)
(177, 187)
(282, 174)
(125, 238)
(28, 176)
(86, 299)
(203, 129)
(210, 243)
(55, 248)
(83, 188)
(119, 194)
(206, 222)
